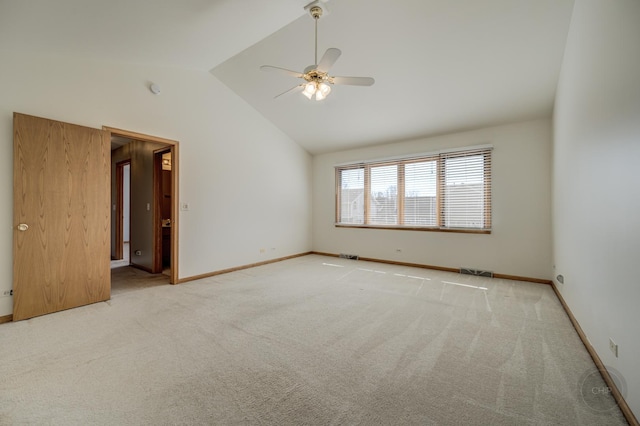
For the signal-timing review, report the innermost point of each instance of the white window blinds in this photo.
(466, 190)
(420, 187)
(383, 198)
(448, 190)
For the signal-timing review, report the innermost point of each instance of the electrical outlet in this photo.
(184, 206)
(8, 293)
(614, 347)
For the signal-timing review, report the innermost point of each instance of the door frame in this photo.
(158, 195)
(172, 146)
(118, 253)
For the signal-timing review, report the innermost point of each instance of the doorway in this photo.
(153, 217)
(61, 242)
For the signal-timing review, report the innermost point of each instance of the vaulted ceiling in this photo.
(439, 65)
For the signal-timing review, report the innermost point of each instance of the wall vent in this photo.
(349, 256)
(476, 272)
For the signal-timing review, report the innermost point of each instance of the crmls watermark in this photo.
(596, 394)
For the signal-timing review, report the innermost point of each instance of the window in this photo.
(443, 191)
(352, 196)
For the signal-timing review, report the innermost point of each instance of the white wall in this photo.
(248, 185)
(596, 185)
(520, 243)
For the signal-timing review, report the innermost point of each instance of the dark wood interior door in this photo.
(61, 213)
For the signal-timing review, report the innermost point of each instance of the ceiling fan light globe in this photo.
(323, 91)
(310, 88)
(324, 88)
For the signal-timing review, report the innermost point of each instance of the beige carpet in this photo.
(313, 340)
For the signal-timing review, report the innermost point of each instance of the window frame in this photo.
(401, 162)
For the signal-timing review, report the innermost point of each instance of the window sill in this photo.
(416, 228)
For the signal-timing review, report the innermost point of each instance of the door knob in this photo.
(23, 227)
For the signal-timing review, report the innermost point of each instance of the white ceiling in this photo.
(440, 65)
(195, 34)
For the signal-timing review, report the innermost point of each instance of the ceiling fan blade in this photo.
(328, 59)
(354, 81)
(297, 88)
(281, 70)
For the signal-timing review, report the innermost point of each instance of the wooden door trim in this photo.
(172, 145)
(138, 136)
(174, 213)
(157, 208)
(117, 252)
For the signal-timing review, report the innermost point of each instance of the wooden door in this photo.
(61, 213)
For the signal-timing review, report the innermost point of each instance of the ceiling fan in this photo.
(317, 81)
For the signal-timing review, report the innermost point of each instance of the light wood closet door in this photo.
(61, 214)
